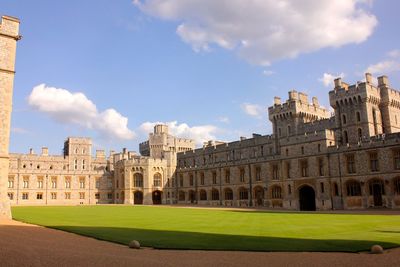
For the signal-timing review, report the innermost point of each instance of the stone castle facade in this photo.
(312, 161)
(9, 35)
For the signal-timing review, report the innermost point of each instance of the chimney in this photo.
(277, 100)
(45, 151)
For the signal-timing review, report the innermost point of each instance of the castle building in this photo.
(9, 35)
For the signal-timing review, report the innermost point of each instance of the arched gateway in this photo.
(307, 198)
(138, 198)
(156, 196)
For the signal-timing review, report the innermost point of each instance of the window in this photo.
(373, 159)
(26, 183)
(396, 159)
(345, 137)
(344, 119)
(25, 196)
(202, 178)
(82, 183)
(109, 195)
(358, 115)
(228, 194)
(289, 189)
(109, 183)
(68, 195)
(203, 195)
(54, 182)
(227, 176)
(53, 195)
(157, 179)
(242, 178)
(359, 133)
(396, 187)
(319, 147)
(302, 150)
(11, 183)
(181, 180)
(67, 182)
(81, 195)
(40, 183)
(288, 130)
(191, 180)
(276, 192)
(288, 169)
(258, 174)
(243, 194)
(10, 196)
(321, 167)
(75, 164)
(97, 183)
(97, 196)
(137, 180)
(83, 164)
(39, 196)
(351, 165)
(214, 178)
(322, 185)
(181, 196)
(262, 151)
(275, 172)
(215, 194)
(304, 168)
(353, 188)
(336, 189)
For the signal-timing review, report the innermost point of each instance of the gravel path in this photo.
(29, 245)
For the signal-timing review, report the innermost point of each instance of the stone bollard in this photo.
(134, 244)
(376, 249)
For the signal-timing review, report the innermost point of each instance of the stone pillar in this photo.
(9, 30)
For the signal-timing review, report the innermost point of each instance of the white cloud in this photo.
(253, 110)
(224, 119)
(263, 31)
(328, 79)
(268, 72)
(75, 108)
(391, 64)
(17, 130)
(200, 133)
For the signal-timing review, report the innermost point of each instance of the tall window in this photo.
(67, 182)
(358, 116)
(202, 178)
(242, 178)
(26, 183)
(214, 178)
(191, 180)
(68, 195)
(322, 187)
(83, 164)
(82, 195)
(288, 169)
(203, 195)
(157, 179)
(54, 182)
(39, 196)
(359, 131)
(276, 192)
(11, 183)
(215, 194)
(321, 167)
(373, 159)
(97, 183)
(396, 183)
(138, 180)
(10, 196)
(304, 168)
(351, 165)
(243, 194)
(75, 164)
(275, 172)
(289, 189)
(344, 119)
(345, 137)
(25, 196)
(81, 183)
(396, 159)
(353, 188)
(227, 176)
(228, 194)
(336, 189)
(40, 183)
(53, 195)
(258, 174)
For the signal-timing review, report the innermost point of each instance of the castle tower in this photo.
(9, 30)
(358, 113)
(390, 106)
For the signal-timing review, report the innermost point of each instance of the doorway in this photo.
(307, 198)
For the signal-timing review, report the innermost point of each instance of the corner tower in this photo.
(9, 35)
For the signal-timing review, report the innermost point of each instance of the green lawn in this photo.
(212, 229)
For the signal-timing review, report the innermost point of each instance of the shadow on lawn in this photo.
(161, 239)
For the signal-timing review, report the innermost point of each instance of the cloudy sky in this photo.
(209, 69)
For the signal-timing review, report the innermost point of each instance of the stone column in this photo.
(9, 30)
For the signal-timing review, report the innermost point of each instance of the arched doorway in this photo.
(259, 195)
(138, 198)
(192, 196)
(156, 195)
(307, 198)
(377, 189)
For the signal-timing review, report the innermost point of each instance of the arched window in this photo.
(358, 115)
(353, 188)
(359, 133)
(181, 196)
(215, 194)
(396, 186)
(243, 193)
(203, 195)
(345, 137)
(157, 179)
(228, 194)
(138, 180)
(276, 192)
(344, 119)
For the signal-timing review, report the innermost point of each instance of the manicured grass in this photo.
(211, 229)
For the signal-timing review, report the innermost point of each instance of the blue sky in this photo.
(111, 69)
